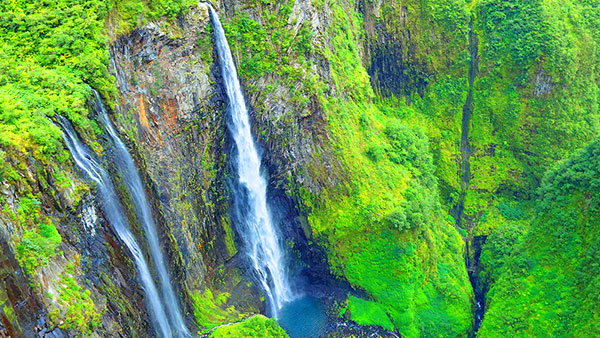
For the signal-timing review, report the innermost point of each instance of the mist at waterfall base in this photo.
(301, 316)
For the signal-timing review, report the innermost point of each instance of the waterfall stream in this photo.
(143, 211)
(251, 211)
(116, 217)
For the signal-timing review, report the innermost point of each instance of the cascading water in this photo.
(116, 217)
(250, 200)
(143, 211)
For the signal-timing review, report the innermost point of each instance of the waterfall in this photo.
(143, 212)
(117, 219)
(250, 198)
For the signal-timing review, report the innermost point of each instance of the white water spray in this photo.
(143, 211)
(117, 219)
(250, 200)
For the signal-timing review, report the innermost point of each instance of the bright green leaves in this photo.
(498, 248)
(210, 311)
(73, 307)
(38, 246)
(547, 278)
(40, 239)
(410, 147)
(417, 208)
(271, 47)
(255, 326)
(513, 27)
(365, 312)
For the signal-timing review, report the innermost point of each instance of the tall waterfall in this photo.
(143, 211)
(250, 199)
(116, 217)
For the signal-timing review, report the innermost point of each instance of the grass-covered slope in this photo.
(49, 52)
(383, 227)
(547, 286)
(535, 93)
(535, 96)
(255, 326)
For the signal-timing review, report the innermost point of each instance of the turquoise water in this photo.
(303, 318)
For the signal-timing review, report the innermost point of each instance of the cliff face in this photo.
(358, 111)
(172, 109)
(294, 67)
(554, 265)
(301, 65)
(175, 120)
(64, 272)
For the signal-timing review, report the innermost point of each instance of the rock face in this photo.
(171, 113)
(91, 263)
(172, 107)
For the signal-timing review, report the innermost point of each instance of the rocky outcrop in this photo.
(88, 282)
(171, 113)
(172, 108)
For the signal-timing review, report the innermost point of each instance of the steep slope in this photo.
(535, 93)
(362, 111)
(293, 67)
(547, 286)
(367, 187)
(71, 273)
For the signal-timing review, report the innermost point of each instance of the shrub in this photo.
(256, 326)
(38, 246)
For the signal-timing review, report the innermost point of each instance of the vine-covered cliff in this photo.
(391, 133)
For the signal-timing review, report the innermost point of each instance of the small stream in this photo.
(479, 294)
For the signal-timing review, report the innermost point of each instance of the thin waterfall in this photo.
(132, 179)
(116, 217)
(250, 198)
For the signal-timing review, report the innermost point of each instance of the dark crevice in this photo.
(463, 221)
(465, 145)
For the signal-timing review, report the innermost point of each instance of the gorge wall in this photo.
(358, 109)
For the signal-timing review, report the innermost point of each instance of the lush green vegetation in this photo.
(125, 15)
(51, 52)
(209, 311)
(535, 97)
(73, 308)
(383, 226)
(547, 283)
(395, 139)
(255, 326)
(365, 312)
(38, 246)
(272, 49)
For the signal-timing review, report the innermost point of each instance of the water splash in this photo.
(250, 199)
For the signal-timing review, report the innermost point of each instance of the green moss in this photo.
(73, 308)
(229, 237)
(273, 47)
(255, 326)
(129, 14)
(38, 246)
(547, 273)
(365, 312)
(204, 45)
(535, 97)
(383, 227)
(210, 311)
